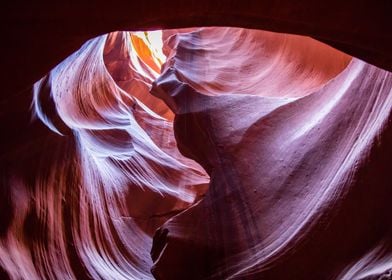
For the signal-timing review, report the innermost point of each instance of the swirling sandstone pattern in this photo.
(99, 174)
(293, 135)
(296, 139)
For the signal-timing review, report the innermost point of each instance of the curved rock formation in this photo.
(97, 175)
(298, 161)
(292, 136)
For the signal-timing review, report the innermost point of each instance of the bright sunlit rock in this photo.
(148, 45)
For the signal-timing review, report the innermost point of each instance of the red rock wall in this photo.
(299, 182)
(93, 173)
(294, 135)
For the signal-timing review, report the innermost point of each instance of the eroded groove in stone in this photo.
(298, 166)
(99, 174)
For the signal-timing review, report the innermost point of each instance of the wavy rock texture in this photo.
(293, 135)
(296, 140)
(98, 173)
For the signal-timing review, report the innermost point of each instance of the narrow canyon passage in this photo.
(199, 153)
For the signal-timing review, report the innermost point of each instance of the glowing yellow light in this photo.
(148, 46)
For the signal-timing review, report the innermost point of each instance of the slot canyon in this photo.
(196, 140)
